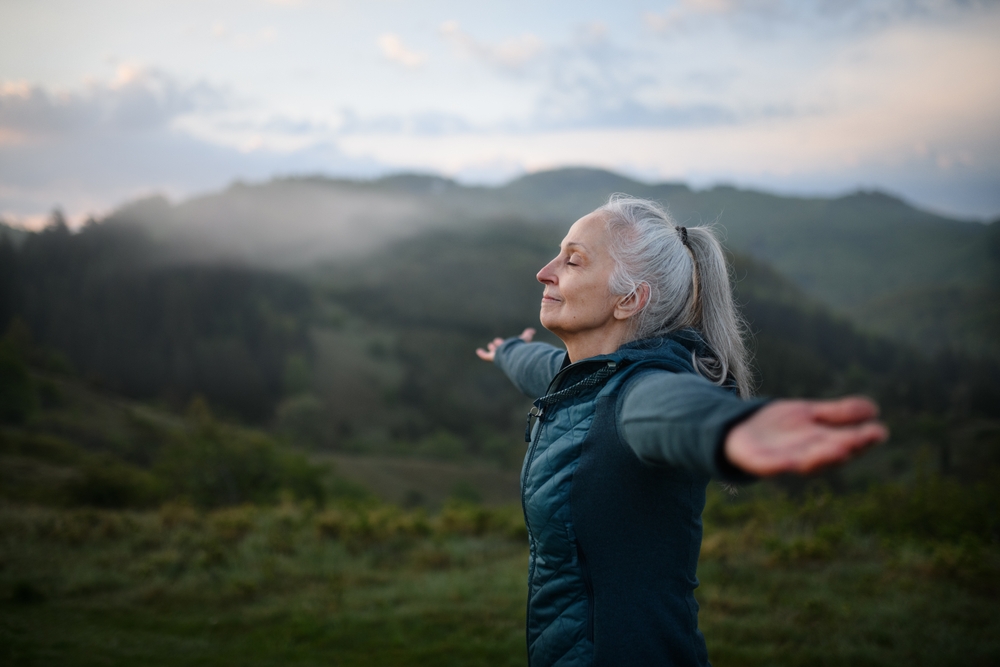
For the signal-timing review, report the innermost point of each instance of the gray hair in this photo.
(688, 279)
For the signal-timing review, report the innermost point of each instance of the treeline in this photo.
(480, 285)
(134, 324)
(63, 443)
(376, 354)
(802, 349)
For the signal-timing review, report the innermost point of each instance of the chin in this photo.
(552, 326)
(547, 320)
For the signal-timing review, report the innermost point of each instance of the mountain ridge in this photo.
(857, 252)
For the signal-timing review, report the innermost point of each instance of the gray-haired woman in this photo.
(649, 400)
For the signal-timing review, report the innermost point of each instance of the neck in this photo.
(593, 343)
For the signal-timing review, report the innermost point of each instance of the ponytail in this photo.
(716, 316)
(687, 276)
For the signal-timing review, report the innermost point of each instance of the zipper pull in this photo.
(535, 411)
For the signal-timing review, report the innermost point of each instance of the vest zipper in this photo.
(531, 452)
(531, 537)
(539, 413)
(524, 505)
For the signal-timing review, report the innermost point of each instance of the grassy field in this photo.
(411, 482)
(249, 586)
(869, 579)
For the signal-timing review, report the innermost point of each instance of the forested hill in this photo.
(919, 277)
(374, 353)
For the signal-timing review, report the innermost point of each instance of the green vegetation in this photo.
(235, 556)
(64, 444)
(856, 253)
(212, 463)
(893, 576)
(135, 326)
(373, 356)
(416, 482)
(971, 317)
(261, 586)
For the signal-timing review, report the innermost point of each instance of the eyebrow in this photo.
(574, 243)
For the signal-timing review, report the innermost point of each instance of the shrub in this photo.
(104, 482)
(932, 508)
(216, 465)
(17, 396)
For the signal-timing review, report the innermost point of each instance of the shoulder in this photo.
(657, 389)
(653, 378)
(515, 352)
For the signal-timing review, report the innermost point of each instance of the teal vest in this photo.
(614, 541)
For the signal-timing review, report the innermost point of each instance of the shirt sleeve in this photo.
(530, 366)
(682, 420)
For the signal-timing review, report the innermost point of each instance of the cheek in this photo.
(595, 302)
(597, 292)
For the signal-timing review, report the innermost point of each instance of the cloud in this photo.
(912, 107)
(136, 100)
(89, 175)
(692, 14)
(806, 155)
(427, 123)
(243, 40)
(587, 81)
(511, 55)
(90, 149)
(842, 83)
(394, 51)
(762, 17)
(592, 82)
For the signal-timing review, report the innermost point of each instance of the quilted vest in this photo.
(614, 541)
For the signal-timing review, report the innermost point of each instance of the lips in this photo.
(548, 298)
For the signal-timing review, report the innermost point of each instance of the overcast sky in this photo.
(107, 100)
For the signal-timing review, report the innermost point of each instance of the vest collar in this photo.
(676, 348)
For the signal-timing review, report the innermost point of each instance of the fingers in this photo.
(837, 447)
(849, 410)
(489, 353)
(803, 436)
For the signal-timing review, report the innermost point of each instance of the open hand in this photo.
(490, 352)
(802, 436)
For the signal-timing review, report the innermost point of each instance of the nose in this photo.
(547, 275)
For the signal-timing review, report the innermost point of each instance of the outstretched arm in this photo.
(682, 420)
(802, 436)
(530, 366)
(490, 353)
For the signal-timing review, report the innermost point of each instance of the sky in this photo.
(109, 100)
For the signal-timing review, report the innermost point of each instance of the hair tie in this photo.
(684, 235)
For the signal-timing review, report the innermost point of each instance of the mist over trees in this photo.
(893, 269)
(255, 437)
(370, 348)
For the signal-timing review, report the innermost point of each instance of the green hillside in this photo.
(374, 354)
(867, 255)
(156, 532)
(109, 559)
(843, 250)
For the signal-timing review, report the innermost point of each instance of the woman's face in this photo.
(576, 301)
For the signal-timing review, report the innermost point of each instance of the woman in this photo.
(642, 408)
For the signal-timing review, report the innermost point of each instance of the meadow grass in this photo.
(806, 581)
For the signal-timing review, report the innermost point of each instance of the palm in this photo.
(490, 351)
(802, 436)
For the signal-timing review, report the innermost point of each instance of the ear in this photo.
(633, 302)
